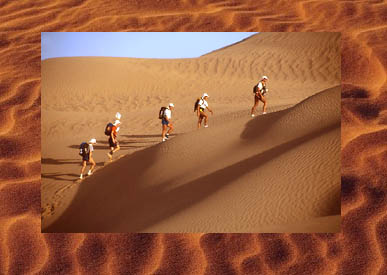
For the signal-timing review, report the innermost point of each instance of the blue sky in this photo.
(136, 44)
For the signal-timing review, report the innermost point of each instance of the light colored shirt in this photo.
(168, 113)
(91, 148)
(203, 104)
(260, 85)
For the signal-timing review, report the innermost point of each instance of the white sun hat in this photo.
(93, 141)
(171, 104)
(205, 94)
(264, 77)
(118, 116)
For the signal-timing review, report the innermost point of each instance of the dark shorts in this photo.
(112, 144)
(258, 97)
(86, 157)
(164, 122)
(201, 110)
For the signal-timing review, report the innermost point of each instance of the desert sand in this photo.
(358, 249)
(272, 173)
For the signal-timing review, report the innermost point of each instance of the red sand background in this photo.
(360, 248)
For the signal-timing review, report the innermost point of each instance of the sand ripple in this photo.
(360, 249)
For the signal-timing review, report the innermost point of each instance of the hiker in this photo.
(200, 105)
(259, 91)
(86, 151)
(111, 130)
(165, 116)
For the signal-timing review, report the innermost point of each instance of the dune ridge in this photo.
(149, 174)
(359, 249)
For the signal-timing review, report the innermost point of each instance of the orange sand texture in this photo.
(359, 249)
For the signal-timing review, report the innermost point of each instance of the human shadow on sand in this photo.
(122, 203)
(59, 161)
(146, 136)
(124, 145)
(60, 176)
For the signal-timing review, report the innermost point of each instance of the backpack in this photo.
(255, 89)
(108, 129)
(83, 149)
(162, 112)
(196, 106)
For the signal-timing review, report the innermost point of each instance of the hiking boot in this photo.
(164, 139)
(205, 126)
(81, 176)
(264, 113)
(89, 173)
(167, 136)
(252, 115)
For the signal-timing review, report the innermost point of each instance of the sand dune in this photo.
(248, 180)
(359, 249)
(195, 171)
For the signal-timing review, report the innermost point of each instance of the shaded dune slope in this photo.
(141, 190)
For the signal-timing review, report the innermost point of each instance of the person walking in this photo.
(86, 152)
(166, 121)
(113, 142)
(202, 105)
(259, 91)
